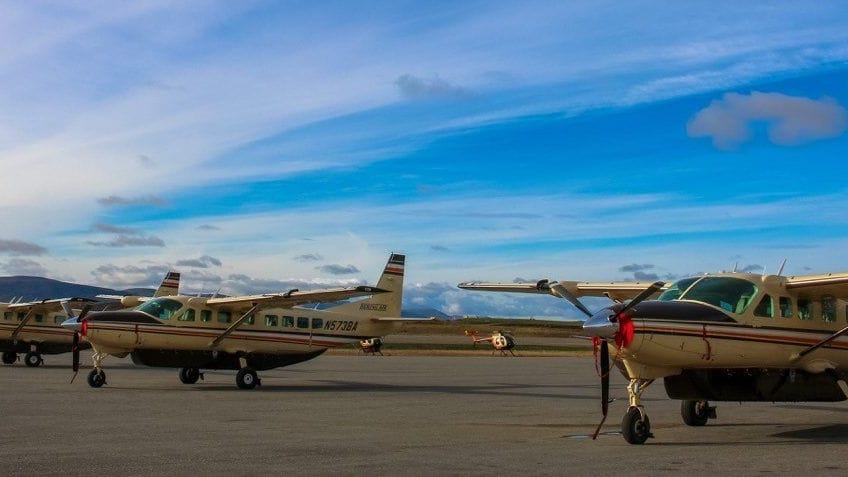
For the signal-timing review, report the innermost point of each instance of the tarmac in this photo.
(393, 415)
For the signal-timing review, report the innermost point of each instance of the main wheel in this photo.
(247, 378)
(695, 413)
(189, 375)
(33, 359)
(9, 357)
(635, 428)
(96, 378)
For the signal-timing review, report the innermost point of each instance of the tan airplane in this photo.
(244, 333)
(35, 328)
(499, 341)
(721, 337)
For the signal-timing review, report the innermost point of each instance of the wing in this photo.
(293, 297)
(835, 284)
(49, 306)
(618, 291)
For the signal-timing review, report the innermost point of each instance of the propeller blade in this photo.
(75, 351)
(558, 290)
(646, 293)
(68, 310)
(84, 311)
(605, 370)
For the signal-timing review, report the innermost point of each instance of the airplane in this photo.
(35, 328)
(194, 333)
(717, 337)
(499, 340)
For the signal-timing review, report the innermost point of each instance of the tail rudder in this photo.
(170, 285)
(383, 304)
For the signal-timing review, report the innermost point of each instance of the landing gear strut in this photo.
(636, 427)
(9, 357)
(97, 377)
(33, 359)
(696, 413)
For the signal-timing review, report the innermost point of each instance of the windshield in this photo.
(162, 308)
(676, 289)
(727, 293)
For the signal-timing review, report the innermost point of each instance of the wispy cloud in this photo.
(338, 269)
(414, 87)
(114, 200)
(790, 120)
(130, 241)
(204, 261)
(23, 266)
(19, 247)
(308, 257)
(114, 229)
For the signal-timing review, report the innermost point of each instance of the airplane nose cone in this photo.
(72, 324)
(601, 325)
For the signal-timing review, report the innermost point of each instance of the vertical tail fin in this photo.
(170, 285)
(384, 304)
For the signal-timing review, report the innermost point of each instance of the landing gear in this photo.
(696, 413)
(9, 357)
(33, 359)
(247, 378)
(636, 427)
(190, 375)
(96, 378)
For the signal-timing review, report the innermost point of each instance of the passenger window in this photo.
(317, 323)
(21, 316)
(302, 322)
(205, 316)
(8, 315)
(828, 308)
(59, 319)
(39, 318)
(224, 316)
(288, 322)
(764, 309)
(805, 309)
(250, 320)
(189, 315)
(271, 320)
(785, 307)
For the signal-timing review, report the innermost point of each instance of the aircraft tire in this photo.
(635, 428)
(695, 413)
(96, 378)
(246, 378)
(9, 357)
(189, 375)
(33, 359)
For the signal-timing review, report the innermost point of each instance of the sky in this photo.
(257, 146)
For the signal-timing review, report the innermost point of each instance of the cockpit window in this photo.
(728, 293)
(162, 308)
(676, 289)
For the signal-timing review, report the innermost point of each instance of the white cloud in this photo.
(790, 120)
(23, 266)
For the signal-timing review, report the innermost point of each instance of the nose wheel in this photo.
(96, 378)
(636, 427)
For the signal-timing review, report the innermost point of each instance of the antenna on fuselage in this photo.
(780, 272)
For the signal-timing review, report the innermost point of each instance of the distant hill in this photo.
(39, 288)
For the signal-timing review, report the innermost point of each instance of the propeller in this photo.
(622, 337)
(75, 351)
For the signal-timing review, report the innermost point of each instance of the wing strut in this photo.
(23, 323)
(233, 327)
(820, 344)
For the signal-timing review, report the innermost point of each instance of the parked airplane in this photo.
(35, 328)
(194, 333)
(499, 340)
(723, 337)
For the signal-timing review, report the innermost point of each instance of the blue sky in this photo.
(262, 145)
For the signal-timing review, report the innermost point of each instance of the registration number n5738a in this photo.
(341, 325)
